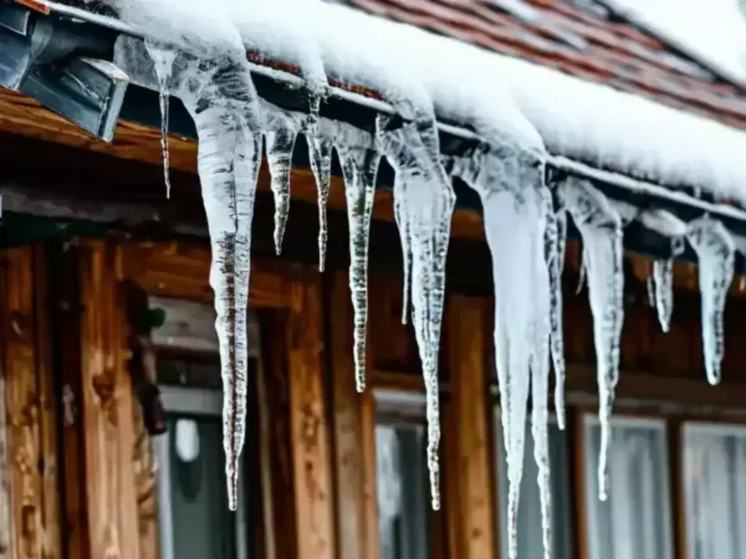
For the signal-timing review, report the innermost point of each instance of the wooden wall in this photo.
(77, 475)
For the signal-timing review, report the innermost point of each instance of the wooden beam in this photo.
(354, 435)
(29, 408)
(467, 465)
(309, 427)
(106, 405)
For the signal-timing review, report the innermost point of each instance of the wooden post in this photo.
(470, 499)
(354, 436)
(30, 453)
(309, 429)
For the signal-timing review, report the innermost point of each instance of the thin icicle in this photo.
(402, 222)
(359, 167)
(583, 272)
(281, 133)
(716, 251)
(222, 100)
(320, 152)
(600, 227)
(424, 202)
(662, 280)
(555, 255)
(163, 62)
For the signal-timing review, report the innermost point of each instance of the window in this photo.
(635, 522)
(193, 514)
(192, 496)
(401, 476)
(530, 543)
(715, 489)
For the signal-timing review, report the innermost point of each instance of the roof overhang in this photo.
(280, 84)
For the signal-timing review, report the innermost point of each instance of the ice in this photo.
(660, 282)
(320, 152)
(281, 132)
(220, 97)
(424, 201)
(359, 168)
(510, 183)
(600, 227)
(716, 251)
(556, 235)
(163, 61)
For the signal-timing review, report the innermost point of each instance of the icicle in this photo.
(222, 100)
(359, 167)
(320, 152)
(424, 202)
(601, 230)
(320, 156)
(510, 184)
(662, 280)
(281, 134)
(402, 222)
(555, 253)
(163, 62)
(715, 249)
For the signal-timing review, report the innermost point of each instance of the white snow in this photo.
(713, 32)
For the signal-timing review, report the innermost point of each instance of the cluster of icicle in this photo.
(525, 223)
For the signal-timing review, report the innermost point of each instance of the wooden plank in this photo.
(467, 464)
(309, 428)
(354, 435)
(107, 408)
(31, 438)
(145, 489)
(181, 270)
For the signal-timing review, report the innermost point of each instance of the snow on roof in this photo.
(713, 32)
(579, 119)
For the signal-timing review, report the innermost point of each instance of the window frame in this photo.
(195, 402)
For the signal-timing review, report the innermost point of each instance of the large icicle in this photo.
(716, 251)
(221, 98)
(281, 132)
(163, 61)
(424, 203)
(600, 227)
(359, 168)
(510, 182)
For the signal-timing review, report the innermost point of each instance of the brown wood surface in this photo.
(467, 463)
(107, 408)
(314, 499)
(29, 405)
(354, 435)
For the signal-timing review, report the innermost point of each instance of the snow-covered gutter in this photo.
(518, 120)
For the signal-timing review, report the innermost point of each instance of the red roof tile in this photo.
(608, 51)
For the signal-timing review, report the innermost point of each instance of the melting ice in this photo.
(715, 249)
(600, 227)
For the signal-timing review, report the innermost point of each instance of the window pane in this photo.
(401, 477)
(197, 521)
(530, 544)
(635, 522)
(715, 485)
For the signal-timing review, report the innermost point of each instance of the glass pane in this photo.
(715, 485)
(635, 522)
(201, 526)
(530, 544)
(401, 476)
